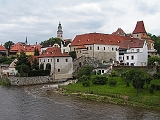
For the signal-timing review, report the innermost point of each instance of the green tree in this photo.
(148, 79)
(35, 64)
(42, 66)
(48, 66)
(51, 41)
(8, 45)
(157, 44)
(36, 52)
(137, 76)
(86, 70)
(73, 54)
(152, 60)
(22, 62)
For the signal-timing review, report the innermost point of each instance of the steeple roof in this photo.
(139, 28)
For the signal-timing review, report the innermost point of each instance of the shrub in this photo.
(157, 87)
(38, 73)
(151, 90)
(153, 86)
(112, 82)
(85, 80)
(99, 79)
(86, 83)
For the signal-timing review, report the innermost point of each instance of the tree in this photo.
(137, 76)
(35, 65)
(48, 66)
(51, 41)
(152, 60)
(8, 45)
(36, 52)
(86, 70)
(148, 79)
(22, 62)
(157, 44)
(73, 54)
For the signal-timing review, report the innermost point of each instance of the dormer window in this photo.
(87, 39)
(110, 40)
(78, 40)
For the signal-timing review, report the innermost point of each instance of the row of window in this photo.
(50, 60)
(132, 57)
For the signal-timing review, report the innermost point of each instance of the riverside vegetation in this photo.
(133, 87)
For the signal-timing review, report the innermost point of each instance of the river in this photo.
(35, 103)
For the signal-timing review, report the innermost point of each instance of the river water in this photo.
(35, 103)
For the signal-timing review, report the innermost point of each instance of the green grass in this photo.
(118, 94)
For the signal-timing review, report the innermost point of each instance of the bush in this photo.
(151, 90)
(157, 87)
(38, 73)
(99, 79)
(112, 82)
(86, 83)
(153, 86)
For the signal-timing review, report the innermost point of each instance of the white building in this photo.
(133, 52)
(61, 63)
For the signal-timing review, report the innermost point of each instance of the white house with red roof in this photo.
(61, 63)
(97, 45)
(3, 51)
(133, 52)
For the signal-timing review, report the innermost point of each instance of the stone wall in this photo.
(20, 81)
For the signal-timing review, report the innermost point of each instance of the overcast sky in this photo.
(38, 19)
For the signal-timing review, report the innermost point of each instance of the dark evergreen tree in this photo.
(35, 65)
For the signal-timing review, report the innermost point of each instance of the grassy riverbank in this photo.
(119, 94)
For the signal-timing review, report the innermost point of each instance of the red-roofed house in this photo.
(97, 45)
(28, 49)
(61, 63)
(3, 51)
(133, 52)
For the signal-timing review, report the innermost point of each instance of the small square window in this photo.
(98, 48)
(48, 60)
(127, 57)
(58, 70)
(57, 60)
(66, 60)
(104, 48)
(132, 57)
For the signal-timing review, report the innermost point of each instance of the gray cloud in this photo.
(38, 20)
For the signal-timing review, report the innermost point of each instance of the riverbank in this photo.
(119, 94)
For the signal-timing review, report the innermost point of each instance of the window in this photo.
(87, 48)
(98, 48)
(127, 57)
(104, 48)
(102, 71)
(90, 47)
(48, 60)
(40, 60)
(137, 50)
(112, 49)
(132, 57)
(74, 49)
(51, 60)
(58, 70)
(66, 60)
(57, 60)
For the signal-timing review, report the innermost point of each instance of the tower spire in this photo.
(60, 32)
(26, 41)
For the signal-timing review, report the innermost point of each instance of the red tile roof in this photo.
(98, 38)
(54, 52)
(139, 28)
(81, 47)
(133, 43)
(2, 48)
(26, 48)
(119, 32)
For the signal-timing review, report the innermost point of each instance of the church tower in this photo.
(60, 32)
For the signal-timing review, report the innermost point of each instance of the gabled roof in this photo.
(2, 48)
(54, 52)
(133, 43)
(139, 28)
(119, 32)
(98, 38)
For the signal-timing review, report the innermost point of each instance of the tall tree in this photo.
(35, 64)
(36, 52)
(8, 45)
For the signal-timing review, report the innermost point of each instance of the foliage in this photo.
(35, 65)
(51, 41)
(36, 52)
(38, 73)
(5, 82)
(8, 45)
(152, 60)
(23, 65)
(114, 73)
(157, 44)
(137, 76)
(86, 70)
(48, 66)
(151, 90)
(99, 79)
(148, 79)
(42, 66)
(112, 82)
(73, 54)
(5, 60)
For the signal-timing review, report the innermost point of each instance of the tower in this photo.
(60, 32)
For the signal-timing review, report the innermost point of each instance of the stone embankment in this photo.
(20, 81)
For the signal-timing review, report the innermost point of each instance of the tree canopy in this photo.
(8, 45)
(51, 41)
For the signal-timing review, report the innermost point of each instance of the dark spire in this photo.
(26, 41)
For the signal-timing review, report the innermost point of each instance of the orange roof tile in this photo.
(133, 43)
(119, 32)
(2, 48)
(81, 47)
(139, 28)
(54, 52)
(98, 38)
